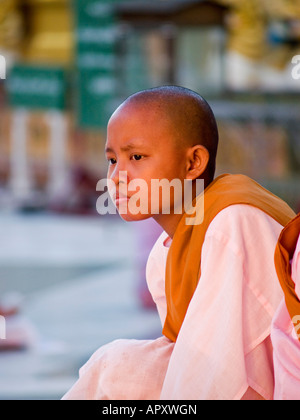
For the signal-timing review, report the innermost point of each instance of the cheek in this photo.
(170, 167)
(177, 169)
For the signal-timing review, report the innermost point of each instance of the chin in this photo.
(134, 217)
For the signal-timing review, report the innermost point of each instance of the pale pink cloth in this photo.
(286, 344)
(296, 268)
(224, 344)
(124, 370)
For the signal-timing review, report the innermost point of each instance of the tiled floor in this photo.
(78, 277)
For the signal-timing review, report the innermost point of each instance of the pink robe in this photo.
(224, 345)
(286, 344)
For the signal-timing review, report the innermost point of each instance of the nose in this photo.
(118, 174)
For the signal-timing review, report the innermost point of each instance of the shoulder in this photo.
(158, 254)
(243, 230)
(155, 274)
(296, 267)
(245, 220)
(156, 264)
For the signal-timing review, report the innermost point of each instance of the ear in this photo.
(198, 158)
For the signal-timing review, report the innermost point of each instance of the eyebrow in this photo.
(126, 148)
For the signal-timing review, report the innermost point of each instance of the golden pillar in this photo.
(251, 60)
(11, 29)
(246, 24)
(50, 37)
(248, 21)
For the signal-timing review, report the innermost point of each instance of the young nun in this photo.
(286, 323)
(214, 283)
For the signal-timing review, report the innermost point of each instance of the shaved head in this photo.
(188, 115)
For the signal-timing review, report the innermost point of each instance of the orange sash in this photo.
(184, 256)
(284, 252)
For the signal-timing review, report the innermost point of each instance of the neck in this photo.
(169, 222)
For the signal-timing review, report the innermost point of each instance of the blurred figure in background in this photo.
(20, 334)
(251, 60)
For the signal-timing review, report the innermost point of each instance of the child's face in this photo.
(141, 143)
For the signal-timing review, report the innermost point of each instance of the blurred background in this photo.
(70, 279)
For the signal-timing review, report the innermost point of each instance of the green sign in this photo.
(96, 35)
(35, 87)
(95, 96)
(93, 12)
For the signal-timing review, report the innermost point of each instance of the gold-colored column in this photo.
(50, 37)
(11, 29)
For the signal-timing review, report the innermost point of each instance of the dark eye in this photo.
(112, 161)
(137, 157)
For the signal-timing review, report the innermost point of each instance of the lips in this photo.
(120, 198)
